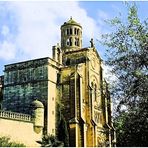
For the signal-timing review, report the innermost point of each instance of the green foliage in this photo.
(62, 131)
(61, 139)
(50, 141)
(127, 54)
(5, 142)
(132, 128)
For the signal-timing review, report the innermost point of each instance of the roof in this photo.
(37, 104)
(71, 22)
(32, 63)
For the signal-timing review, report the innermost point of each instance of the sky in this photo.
(29, 29)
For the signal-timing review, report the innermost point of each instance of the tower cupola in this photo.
(71, 36)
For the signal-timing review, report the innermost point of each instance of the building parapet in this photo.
(14, 115)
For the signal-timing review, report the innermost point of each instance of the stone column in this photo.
(73, 131)
(54, 53)
(85, 135)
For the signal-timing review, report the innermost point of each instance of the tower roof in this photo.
(71, 22)
(37, 104)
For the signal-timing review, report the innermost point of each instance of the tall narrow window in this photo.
(91, 96)
(67, 31)
(58, 78)
(70, 31)
(75, 31)
(70, 40)
(75, 41)
(95, 91)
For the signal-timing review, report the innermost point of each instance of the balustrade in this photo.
(14, 115)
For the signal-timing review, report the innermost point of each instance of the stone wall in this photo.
(19, 128)
(52, 97)
(23, 83)
(1, 89)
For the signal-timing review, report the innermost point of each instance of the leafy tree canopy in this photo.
(50, 141)
(127, 54)
(5, 142)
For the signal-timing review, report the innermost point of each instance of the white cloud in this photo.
(5, 30)
(39, 26)
(7, 50)
(102, 14)
(108, 75)
(102, 17)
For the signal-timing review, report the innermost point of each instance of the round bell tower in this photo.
(71, 36)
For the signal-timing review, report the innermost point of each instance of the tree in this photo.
(62, 129)
(50, 141)
(132, 128)
(61, 139)
(127, 54)
(5, 142)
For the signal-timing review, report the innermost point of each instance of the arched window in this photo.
(78, 42)
(92, 86)
(75, 41)
(70, 31)
(95, 91)
(91, 91)
(67, 31)
(67, 42)
(75, 31)
(67, 61)
(70, 41)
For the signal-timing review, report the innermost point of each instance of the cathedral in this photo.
(69, 86)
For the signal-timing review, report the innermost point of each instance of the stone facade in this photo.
(23, 82)
(72, 77)
(26, 81)
(1, 89)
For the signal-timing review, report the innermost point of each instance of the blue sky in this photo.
(28, 30)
